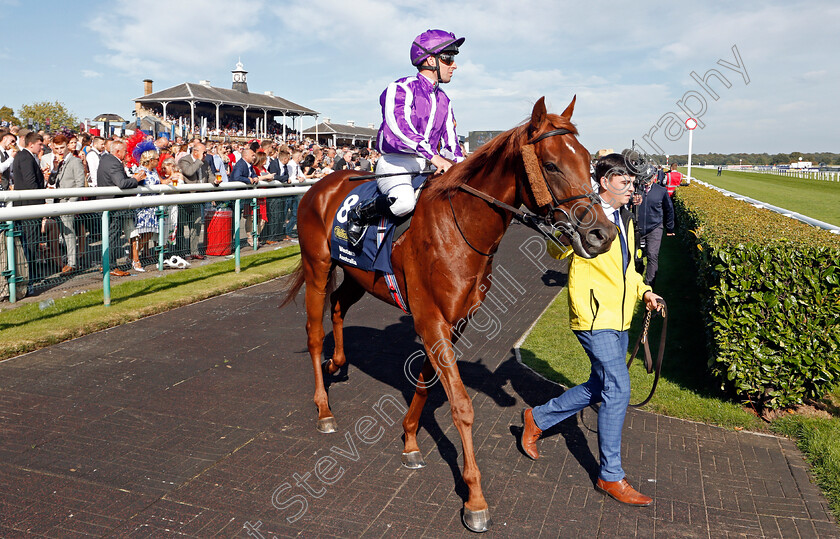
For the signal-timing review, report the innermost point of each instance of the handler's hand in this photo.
(441, 164)
(652, 301)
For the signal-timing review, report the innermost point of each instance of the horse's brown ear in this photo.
(538, 115)
(570, 109)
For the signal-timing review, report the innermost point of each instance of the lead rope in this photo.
(643, 340)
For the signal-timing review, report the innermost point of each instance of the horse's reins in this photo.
(643, 340)
(527, 218)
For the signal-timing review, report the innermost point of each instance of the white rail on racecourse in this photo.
(787, 213)
(209, 193)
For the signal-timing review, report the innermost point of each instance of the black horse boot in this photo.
(365, 213)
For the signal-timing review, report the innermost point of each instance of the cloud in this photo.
(90, 74)
(182, 42)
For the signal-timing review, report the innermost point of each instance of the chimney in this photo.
(327, 120)
(204, 82)
(351, 123)
(147, 86)
(371, 126)
(269, 93)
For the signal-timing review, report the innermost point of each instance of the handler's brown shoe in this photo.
(530, 434)
(621, 491)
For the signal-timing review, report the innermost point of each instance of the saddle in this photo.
(373, 253)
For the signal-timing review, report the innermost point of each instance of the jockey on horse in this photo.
(417, 125)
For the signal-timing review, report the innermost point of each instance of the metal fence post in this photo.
(161, 246)
(254, 221)
(106, 257)
(237, 213)
(11, 267)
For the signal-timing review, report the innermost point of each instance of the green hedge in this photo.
(770, 292)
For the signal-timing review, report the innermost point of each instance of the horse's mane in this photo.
(502, 153)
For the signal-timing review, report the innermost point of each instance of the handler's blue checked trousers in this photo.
(609, 384)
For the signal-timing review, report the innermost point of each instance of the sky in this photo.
(774, 90)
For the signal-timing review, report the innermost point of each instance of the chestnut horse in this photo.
(443, 262)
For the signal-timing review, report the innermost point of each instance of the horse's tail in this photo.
(298, 279)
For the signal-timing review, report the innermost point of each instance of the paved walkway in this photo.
(199, 422)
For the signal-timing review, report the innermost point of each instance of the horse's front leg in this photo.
(437, 340)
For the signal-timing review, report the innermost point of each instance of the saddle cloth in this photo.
(374, 251)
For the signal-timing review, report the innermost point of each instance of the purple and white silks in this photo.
(416, 119)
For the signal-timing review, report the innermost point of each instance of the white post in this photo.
(218, 127)
(690, 140)
(192, 117)
(284, 126)
(316, 129)
(265, 123)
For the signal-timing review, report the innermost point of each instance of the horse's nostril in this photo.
(595, 237)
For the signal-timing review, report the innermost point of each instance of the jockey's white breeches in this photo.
(399, 187)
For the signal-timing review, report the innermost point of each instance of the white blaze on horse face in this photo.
(569, 146)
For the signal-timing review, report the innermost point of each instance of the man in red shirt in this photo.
(673, 179)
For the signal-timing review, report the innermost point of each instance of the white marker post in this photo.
(691, 124)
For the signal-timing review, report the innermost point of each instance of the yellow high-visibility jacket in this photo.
(600, 297)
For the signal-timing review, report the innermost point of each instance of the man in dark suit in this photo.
(111, 172)
(8, 150)
(195, 170)
(655, 212)
(27, 174)
(364, 163)
(343, 162)
(26, 171)
(276, 205)
(242, 170)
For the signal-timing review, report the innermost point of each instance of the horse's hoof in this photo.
(327, 425)
(325, 367)
(413, 460)
(477, 521)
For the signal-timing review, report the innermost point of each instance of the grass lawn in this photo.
(28, 328)
(814, 198)
(686, 390)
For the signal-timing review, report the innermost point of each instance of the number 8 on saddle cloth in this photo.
(374, 251)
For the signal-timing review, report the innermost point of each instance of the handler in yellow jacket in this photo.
(602, 297)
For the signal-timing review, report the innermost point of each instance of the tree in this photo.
(8, 115)
(45, 113)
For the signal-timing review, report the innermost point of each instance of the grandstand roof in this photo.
(188, 91)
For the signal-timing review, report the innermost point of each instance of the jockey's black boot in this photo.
(365, 213)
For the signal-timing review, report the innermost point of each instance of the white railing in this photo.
(157, 196)
(787, 213)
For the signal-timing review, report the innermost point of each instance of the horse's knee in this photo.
(463, 413)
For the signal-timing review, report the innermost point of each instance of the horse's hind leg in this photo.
(317, 273)
(411, 457)
(345, 295)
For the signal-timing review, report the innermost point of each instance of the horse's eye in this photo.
(551, 167)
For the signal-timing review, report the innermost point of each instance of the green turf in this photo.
(815, 198)
(817, 438)
(685, 390)
(28, 327)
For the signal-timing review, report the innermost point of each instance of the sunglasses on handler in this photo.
(446, 58)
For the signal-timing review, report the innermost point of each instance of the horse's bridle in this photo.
(572, 223)
(569, 227)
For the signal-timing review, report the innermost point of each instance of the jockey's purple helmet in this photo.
(432, 42)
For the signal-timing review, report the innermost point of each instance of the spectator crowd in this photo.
(56, 247)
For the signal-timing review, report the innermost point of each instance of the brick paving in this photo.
(199, 422)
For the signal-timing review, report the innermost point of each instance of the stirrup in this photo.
(363, 214)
